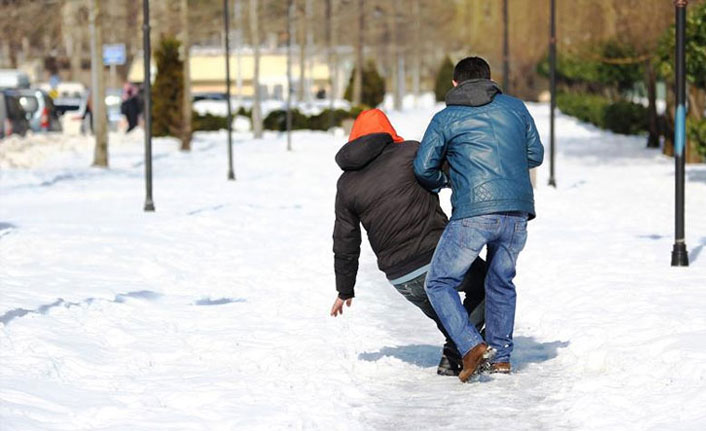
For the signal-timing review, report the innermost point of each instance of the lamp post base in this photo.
(680, 257)
(149, 205)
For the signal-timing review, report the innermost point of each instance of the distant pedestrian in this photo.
(130, 106)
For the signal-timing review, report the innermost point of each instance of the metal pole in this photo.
(552, 89)
(506, 50)
(229, 116)
(680, 255)
(149, 203)
(290, 90)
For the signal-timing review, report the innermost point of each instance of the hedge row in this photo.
(277, 120)
(620, 117)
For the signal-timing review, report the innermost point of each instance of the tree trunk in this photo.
(652, 118)
(358, 78)
(187, 107)
(301, 88)
(417, 66)
(330, 61)
(391, 56)
(98, 112)
(309, 51)
(697, 104)
(238, 10)
(669, 113)
(255, 29)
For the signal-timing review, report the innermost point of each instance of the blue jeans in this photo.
(505, 236)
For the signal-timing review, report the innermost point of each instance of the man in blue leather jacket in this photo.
(490, 142)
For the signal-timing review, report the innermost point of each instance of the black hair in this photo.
(471, 68)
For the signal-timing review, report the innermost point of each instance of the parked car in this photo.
(40, 110)
(69, 96)
(12, 117)
(12, 78)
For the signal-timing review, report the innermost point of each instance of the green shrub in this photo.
(323, 120)
(696, 131)
(277, 120)
(589, 108)
(168, 90)
(619, 117)
(444, 76)
(695, 48)
(625, 117)
(373, 86)
(620, 76)
(208, 122)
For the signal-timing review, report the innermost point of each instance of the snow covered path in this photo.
(212, 313)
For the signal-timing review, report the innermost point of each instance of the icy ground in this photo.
(212, 313)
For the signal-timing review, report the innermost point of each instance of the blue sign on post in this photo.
(114, 54)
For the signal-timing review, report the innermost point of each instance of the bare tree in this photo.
(255, 37)
(358, 78)
(98, 112)
(417, 59)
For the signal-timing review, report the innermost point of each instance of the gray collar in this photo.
(474, 92)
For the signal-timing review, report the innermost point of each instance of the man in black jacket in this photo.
(403, 220)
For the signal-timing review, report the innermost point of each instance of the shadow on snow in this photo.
(527, 351)
(44, 309)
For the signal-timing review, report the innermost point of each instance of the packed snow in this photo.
(212, 312)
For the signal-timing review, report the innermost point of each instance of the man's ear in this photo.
(453, 81)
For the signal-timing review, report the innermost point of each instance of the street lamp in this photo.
(680, 256)
(147, 84)
(552, 89)
(229, 115)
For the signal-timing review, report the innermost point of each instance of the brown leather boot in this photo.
(500, 368)
(473, 359)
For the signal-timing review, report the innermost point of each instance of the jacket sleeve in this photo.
(535, 149)
(427, 163)
(346, 247)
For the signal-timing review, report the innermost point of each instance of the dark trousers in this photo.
(473, 302)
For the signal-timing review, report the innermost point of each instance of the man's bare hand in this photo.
(338, 306)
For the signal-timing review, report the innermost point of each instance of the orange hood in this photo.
(373, 121)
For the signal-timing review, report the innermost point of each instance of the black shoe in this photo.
(451, 362)
(447, 368)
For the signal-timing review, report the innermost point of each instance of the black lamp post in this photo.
(552, 90)
(229, 115)
(146, 48)
(680, 256)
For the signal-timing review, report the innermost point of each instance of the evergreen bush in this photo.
(208, 122)
(444, 76)
(373, 86)
(696, 131)
(625, 117)
(168, 90)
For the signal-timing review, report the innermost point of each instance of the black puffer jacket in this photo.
(378, 189)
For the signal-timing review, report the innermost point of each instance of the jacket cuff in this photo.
(347, 295)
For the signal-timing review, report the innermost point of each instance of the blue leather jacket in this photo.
(490, 142)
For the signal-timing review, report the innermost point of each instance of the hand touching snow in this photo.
(338, 306)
